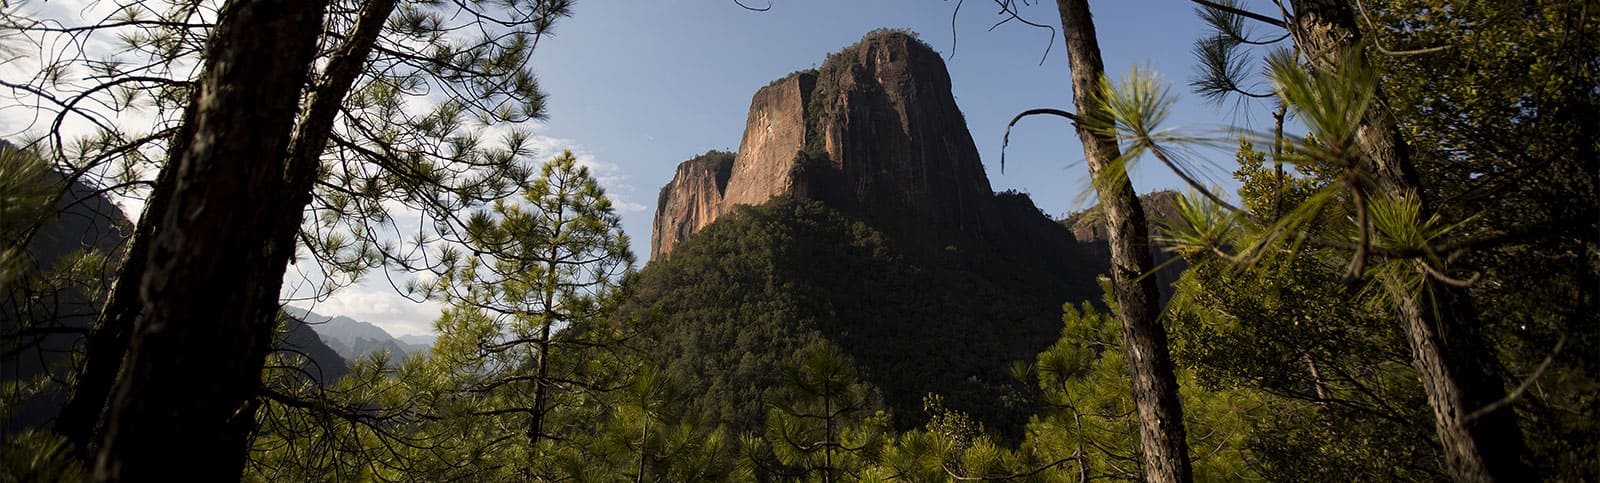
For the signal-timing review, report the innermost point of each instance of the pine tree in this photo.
(818, 427)
(1417, 228)
(527, 324)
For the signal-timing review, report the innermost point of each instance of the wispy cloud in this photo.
(608, 173)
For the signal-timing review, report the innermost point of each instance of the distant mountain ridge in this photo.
(44, 328)
(353, 339)
(424, 341)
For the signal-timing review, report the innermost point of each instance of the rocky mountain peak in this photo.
(875, 131)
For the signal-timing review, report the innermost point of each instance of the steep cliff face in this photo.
(874, 132)
(691, 200)
(898, 145)
(775, 137)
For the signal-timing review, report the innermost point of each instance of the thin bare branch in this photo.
(1521, 388)
(747, 7)
(1006, 140)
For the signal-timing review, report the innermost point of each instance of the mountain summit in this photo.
(875, 132)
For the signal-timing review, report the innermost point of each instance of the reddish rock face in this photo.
(898, 144)
(774, 135)
(875, 132)
(691, 201)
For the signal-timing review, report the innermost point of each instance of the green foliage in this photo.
(1087, 417)
(422, 129)
(1496, 109)
(527, 313)
(643, 428)
(1502, 120)
(765, 282)
(803, 329)
(1088, 423)
(25, 197)
(57, 248)
(1084, 425)
(1338, 396)
(818, 427)
(1324, 362)
(1327, 101)
(369, 425)
(37, 456)
(519, 375)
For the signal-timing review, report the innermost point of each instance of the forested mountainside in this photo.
(875, 133)
(52, 300)
(737, 302)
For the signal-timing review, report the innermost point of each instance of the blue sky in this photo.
(638, 87)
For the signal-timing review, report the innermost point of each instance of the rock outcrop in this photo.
(692, 200)
(875, 132)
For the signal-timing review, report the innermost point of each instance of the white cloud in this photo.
(378, 303)
(25, 115)
(608, 173)
(629, 206)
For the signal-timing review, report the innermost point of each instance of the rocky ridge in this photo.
(692, 200)
(875, 132)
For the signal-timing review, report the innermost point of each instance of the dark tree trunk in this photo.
(541, 381)
(108, 343)
(1443, 347)
(1155, 388)
(1326, 31)
(271, 173)
(185, 406)
(1441, 324)
(541, 388)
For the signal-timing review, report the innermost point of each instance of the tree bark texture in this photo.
(185, 406)
(107, 345)
(1488, 448)
(1450, 356)
(541, 389)
(1155, 387)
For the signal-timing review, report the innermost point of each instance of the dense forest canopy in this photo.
(1404, 286)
